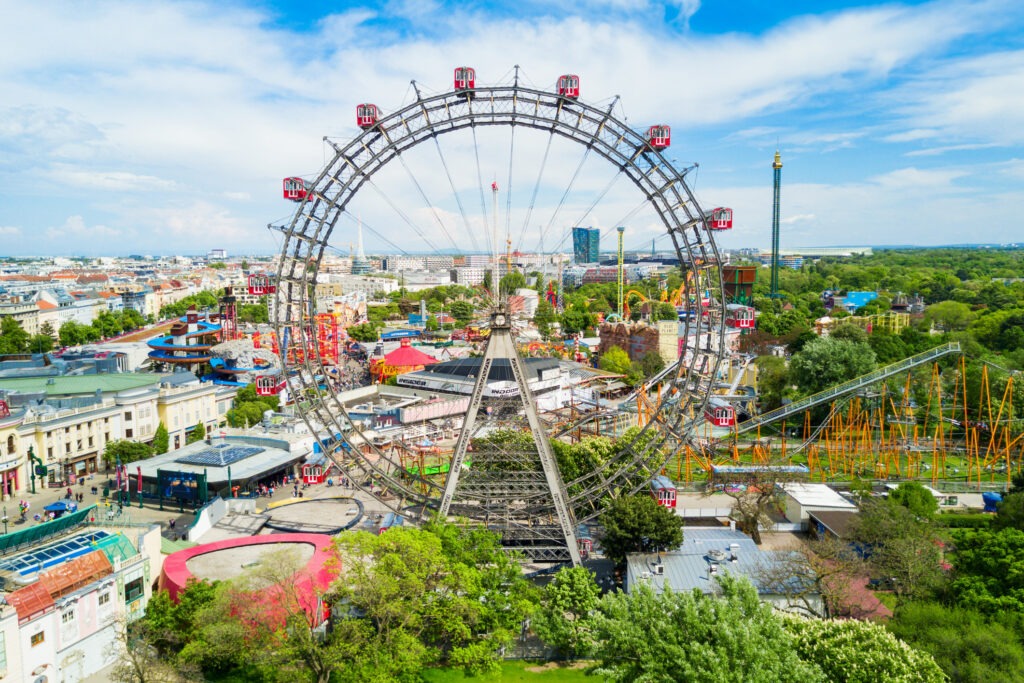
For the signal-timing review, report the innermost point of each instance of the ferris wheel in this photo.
(358, 165)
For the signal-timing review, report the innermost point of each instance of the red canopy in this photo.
(405, 356)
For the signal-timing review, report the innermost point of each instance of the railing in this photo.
(847, 387)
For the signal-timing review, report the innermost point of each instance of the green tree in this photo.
(13, 339)
(949, 316)
(543, 318)
(987, 570)
(40, 343)
(1010, 512)
(772, 381)
(826, 362)
(131, 319)
(511, 282)
(664, 311)
(197, 434)
(72, 334)
(916, 498)
(651, 363)
(161, 439)
(441, 594)
(615, 360)
(246, 414)
(969, 646)
(900, 545)
(126, 451)
(568, 607)
(576, 320)
(643, 636)
(366, 332)
(850, 332)
(854, 651)
(463, 312)
(637, 524)
(48, 330)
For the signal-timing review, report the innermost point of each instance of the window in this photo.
(49, 452)
(128, 416)
(133, 590)
(38, 638)
(68, 617)
(128, 434)
(67, 448)
(104, 598)
(90, 442)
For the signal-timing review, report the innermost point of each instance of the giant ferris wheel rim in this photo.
(354, 164)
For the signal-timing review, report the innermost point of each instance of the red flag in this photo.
(139, 469)
(494, 186)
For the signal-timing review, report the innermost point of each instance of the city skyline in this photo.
(169, 130)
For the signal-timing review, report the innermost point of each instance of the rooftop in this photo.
(816, 495)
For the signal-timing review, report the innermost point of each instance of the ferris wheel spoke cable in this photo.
(536, 188)
(483, 200)
(620, 173)
(370, 229)
(458, 200)
(561, 202)
(408, 221)
(429, 204)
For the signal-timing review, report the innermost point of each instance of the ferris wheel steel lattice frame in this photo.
(354, 164)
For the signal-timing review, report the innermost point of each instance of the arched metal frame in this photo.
(665, 189)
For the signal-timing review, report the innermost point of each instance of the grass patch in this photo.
(887, 598)
(515, 671)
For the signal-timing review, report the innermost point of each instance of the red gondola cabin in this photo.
(663, 491)
(269, 385)
(295, 189)
(720, 414)
(569, 86)
(465, 78)
(367, 115)
(659, 137)
(260, 284)
(740, 317)
(721, 219)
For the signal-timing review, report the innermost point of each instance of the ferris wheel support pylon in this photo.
(510, 472)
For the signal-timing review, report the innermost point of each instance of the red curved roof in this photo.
(405, 356)
(311, 581)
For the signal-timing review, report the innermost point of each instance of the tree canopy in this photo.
(634, 524)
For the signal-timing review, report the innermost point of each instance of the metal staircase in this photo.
(853, 385)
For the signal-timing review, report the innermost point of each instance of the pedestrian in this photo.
(171, 523)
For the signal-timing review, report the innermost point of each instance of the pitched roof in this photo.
(31, 600)
(44, 305)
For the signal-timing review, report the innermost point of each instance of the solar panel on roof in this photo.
(219, 456)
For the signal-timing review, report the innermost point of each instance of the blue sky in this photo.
(166, 127)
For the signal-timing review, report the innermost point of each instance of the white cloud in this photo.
(112, 180)
(10, 230)
(75, 230)
(797, 218)
(193, 98)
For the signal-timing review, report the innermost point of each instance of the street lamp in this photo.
(4, 520)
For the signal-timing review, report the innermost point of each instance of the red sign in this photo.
(5, 411)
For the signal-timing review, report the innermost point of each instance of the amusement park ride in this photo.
(553, 509)
(500, 470)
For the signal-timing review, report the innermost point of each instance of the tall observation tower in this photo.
(776, 187)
